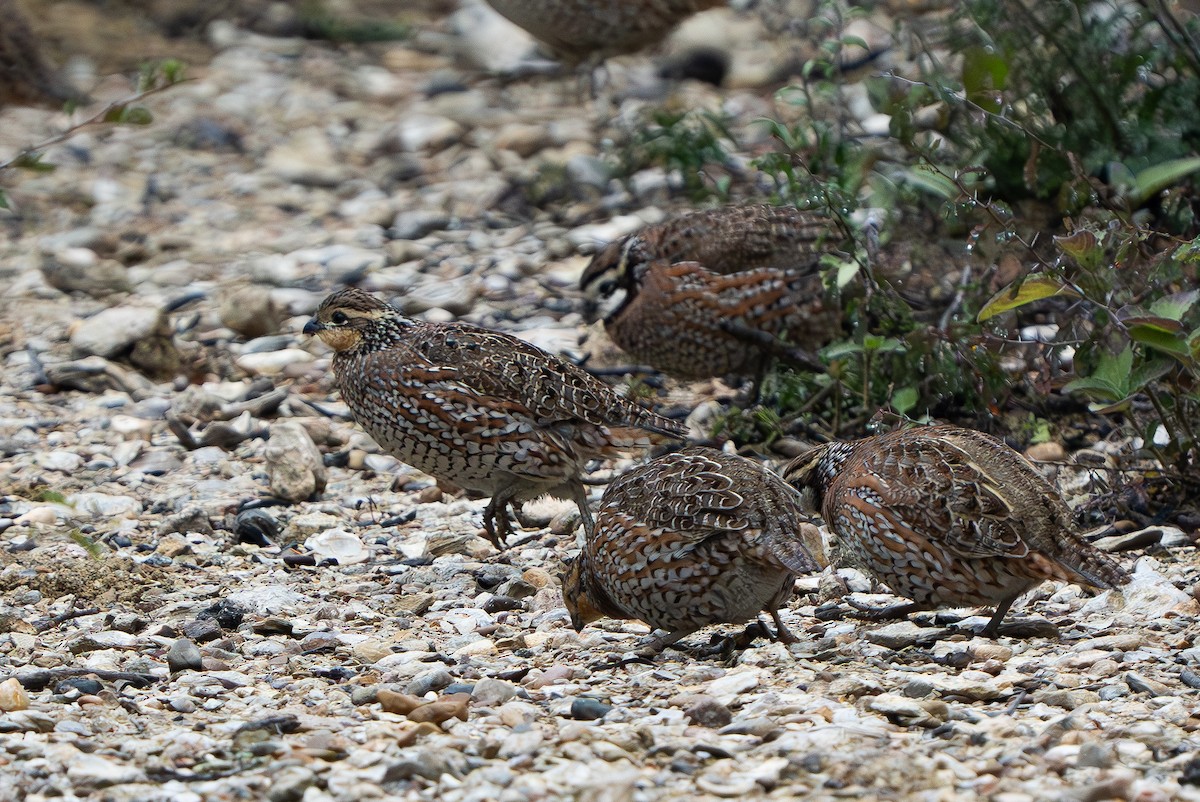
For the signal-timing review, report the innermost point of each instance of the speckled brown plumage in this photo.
(717, 292)
(26, 79)
(948, 516)
(579, 31)
(725, 240)
(692, 538)
(481, 409)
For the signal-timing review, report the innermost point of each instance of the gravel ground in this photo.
(165, 634)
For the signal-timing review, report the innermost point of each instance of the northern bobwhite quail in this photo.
(481, 409)
(26, 79)
(589, 31)
(692, 538)
(948, 516)
(716, 292)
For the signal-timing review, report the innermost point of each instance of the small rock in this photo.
(586, 708)
(84, 685)
(112, 332)
(1046, 452)
(1140, 684)
(499, 604)
(705, 711)
(490, 692)
(103, 505)
(272, 363)
(910, 712)
(183, 655)
(734, 683)
(289, 784)
(427, 132)
(456, 296)
(521, 742)
(1066, 699)
(903, 634)
(192, 520)
(294, 464)
(98, 772)
(854, 686)
(432, 680)
(80, 270)
(448, 707)
(306, 158)
(400, 703)
(346, 548)
(251, 312)
(416, 223)
(13, 696)
(64, 461)
(105, 639)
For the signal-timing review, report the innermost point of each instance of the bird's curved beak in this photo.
(313, 326)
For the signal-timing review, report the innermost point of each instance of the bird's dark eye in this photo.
(607, 287)
(339, 318)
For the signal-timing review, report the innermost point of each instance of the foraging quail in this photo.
(481, 409)
(25, 77)
(716, 292)
(948, 516)
(692, 538)
(589, 31)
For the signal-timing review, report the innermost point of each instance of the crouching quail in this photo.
(692, 538)
(947, 517)
(481, 409)
(589, 31)
(717, 292)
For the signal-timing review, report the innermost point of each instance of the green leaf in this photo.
(1175, 306)
(4, 200)
(931, 181)
(1149, 372)
(1150, 181)
(1032, 288)
(1116, 369)
(129, 115)
(904, 399)
(1155, 337)
(840, 350)
(984, 75)
(32, 160)
(1090, 385)
(846, 271)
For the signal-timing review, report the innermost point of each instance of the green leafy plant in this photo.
(693, 147)
(153, 78)
(1137, 329)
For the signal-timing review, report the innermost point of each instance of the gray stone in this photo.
(183, 655)
(490, 692)
(432, 680)
(79, 270)
(114, 331)
(290, 783)
(705, 711)
(416, 223)
(294, 464)
(250, 311)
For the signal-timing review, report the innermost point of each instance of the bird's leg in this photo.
(993, 626)
(782, 633)
(495, 518)
(580, 496)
